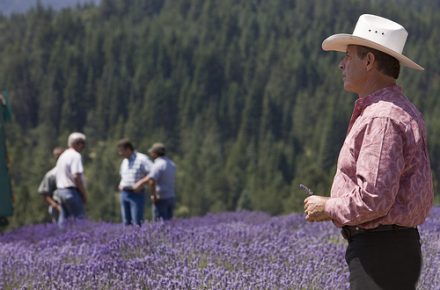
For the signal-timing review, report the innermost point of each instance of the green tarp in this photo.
(5, 184)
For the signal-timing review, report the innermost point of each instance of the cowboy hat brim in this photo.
(339, 42)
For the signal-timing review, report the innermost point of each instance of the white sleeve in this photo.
(76, 166)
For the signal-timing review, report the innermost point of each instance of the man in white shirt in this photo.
(70, 179)
(134, 167)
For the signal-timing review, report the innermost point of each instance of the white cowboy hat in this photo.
(375, 32)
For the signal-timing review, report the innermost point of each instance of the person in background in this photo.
(161, 181)
(48, 187)
(134, 167)
(70, 179)
(382, 189)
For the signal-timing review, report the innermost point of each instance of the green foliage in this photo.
(240, 91)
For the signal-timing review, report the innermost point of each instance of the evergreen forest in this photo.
(240, 91)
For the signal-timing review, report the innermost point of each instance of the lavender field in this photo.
(246, 250)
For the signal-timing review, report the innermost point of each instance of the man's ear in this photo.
(370, 59)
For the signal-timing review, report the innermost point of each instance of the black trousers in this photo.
(384, 260)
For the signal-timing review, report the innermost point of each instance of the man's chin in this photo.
(349, 88)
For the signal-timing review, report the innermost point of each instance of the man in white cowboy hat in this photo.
(382, 189)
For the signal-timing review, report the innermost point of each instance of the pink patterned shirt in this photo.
(383, 174)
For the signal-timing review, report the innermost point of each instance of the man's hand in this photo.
(52, 202)
(77, 179)
(84, 197)
(140, 184)
(152, 186)
(153, 198)
(314, 208)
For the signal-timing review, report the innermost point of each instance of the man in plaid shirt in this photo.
(134, 167)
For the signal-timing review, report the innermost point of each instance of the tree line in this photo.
(240, 91)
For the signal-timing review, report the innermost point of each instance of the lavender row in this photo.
(245, 250)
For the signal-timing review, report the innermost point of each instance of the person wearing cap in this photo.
(70, 179)
(161, 182)
(48, 188)
(134, 167)
(382, 189)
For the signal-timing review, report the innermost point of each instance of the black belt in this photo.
(129, 189)
(349, 232)
(71, 187)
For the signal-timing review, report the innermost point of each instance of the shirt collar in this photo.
(381, 94)
(387, 93)
(132, 156)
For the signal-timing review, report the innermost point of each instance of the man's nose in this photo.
(341, 65)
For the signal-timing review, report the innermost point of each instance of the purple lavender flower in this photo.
(236, 250)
